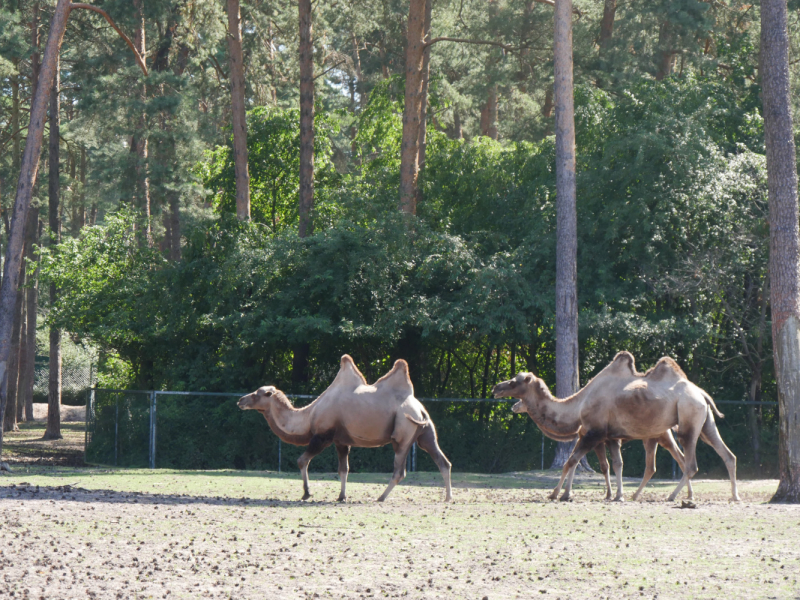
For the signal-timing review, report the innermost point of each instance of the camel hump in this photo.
(348, 373)
(624, 363)
(397, 379)
(666, 368)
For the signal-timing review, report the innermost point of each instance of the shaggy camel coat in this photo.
(622, 404)
(352, 413)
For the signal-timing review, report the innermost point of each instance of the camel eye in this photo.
(512, 383)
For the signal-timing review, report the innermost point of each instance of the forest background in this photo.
(156, 277)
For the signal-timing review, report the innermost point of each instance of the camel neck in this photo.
(289, 423)
(561, 417)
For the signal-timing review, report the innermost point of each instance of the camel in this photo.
(622, 404)
(351, 413)
(650, 446)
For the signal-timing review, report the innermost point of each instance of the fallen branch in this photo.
(104, 14)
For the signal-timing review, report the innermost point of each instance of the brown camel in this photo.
(352, 413)
(622, 404)
(650, 446)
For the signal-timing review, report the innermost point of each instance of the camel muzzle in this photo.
(244, 402)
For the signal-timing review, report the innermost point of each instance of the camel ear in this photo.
(268, 394)
(528, 378)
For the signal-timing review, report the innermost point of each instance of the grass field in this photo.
(78, 533)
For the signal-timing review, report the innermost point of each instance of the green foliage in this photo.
(273, 145)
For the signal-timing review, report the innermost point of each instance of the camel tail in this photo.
(422, 423)
(711, 405)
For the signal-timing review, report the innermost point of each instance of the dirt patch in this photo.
(27, 447)
(114, 533)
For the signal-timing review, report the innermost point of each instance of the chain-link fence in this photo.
(195, 430)
(76, 381)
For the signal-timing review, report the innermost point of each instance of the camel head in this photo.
(260, 399)
(525, 386)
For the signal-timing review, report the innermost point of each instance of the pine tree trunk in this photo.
(784, 257)
(423, 117)
(409, 149)
(139, 143)
(489, 114)
(23, 348)
(27, 179)
(32, 300)
(458, 129)
(10, 418)
(607, 25)
(306, 199)
(665, 53)
(238, 113)
(53, 429)
(754, 415)
(15, 146)
(566, 219)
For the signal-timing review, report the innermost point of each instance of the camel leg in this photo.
(400, 454)
(317, 445)
(668, 442)
(688, 438)
(650, 448)
(710, 435)
(600, 451)
(428, 442)
(344, 468)
(616, 461)
(583, 446)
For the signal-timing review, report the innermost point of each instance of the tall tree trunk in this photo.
(409, 149)
(566, 226)
(15, 146)
(754, 414)
(53, 429)
(489, 114)
(27, 179)
(306, 200)
(82, 195)
(35, 40)
(607, 25)
(32, 300)
(139, 142)
(784, 256)
(666, 52)
(423, 117)
(239, 116)
(10, 418)
(23, 349)
(458, 129)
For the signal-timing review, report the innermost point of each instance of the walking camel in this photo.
(650, 446)
(352, 413)
(622, 404)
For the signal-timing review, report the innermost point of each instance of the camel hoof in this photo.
(619, 499)
(306, 496)
(736, 499)
(553, 496)
(341, 498)
(565, 498)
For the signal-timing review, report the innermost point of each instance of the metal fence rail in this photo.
(201, 430)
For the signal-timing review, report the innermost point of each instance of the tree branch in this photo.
(331, 69)
(505, 47)
(104, 14)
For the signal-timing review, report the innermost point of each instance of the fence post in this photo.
(542, 452)
(153, 395)
(87, 420)
(279, 455)
(414, 457)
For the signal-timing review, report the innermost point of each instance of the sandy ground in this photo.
(69, 414)
(93, 533)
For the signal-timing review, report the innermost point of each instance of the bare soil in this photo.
(27, 447)
(78, 533)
